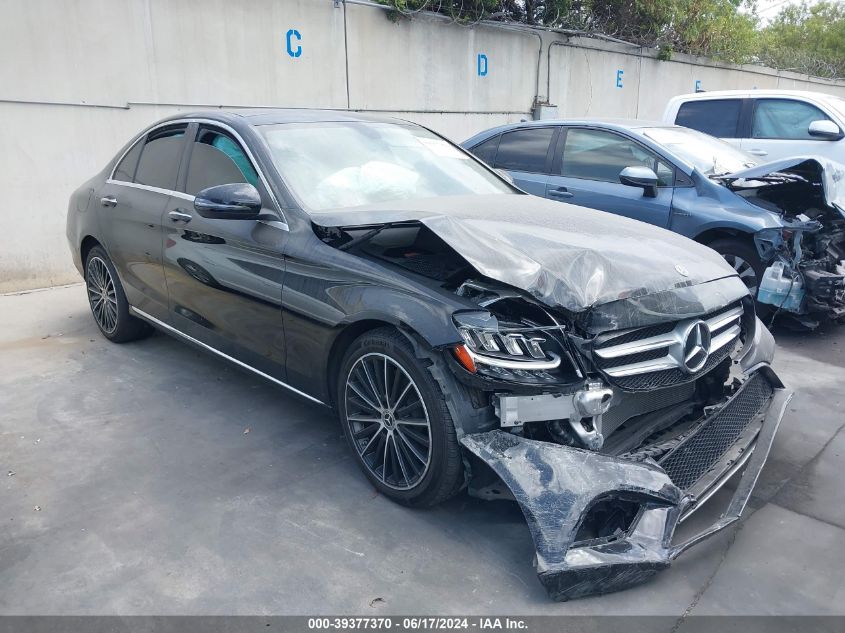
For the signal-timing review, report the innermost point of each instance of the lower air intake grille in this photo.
(630, 405)
(693, 458)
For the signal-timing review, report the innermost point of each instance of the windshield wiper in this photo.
(369, 235)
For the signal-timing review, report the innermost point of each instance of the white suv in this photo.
(771, 124)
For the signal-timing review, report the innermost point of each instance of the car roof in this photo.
(807, 94)
(273, 116)
(620, 125)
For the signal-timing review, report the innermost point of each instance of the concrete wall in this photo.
(583, 79)
(79, 77)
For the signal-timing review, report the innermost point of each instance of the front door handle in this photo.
(758, 152)
(108, 201)
(561, 192)
(179, 216)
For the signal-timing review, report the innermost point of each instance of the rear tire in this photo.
(107, 300)
(396, 421)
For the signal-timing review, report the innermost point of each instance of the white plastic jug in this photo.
(780, 289)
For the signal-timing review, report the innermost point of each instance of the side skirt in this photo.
(173, 331)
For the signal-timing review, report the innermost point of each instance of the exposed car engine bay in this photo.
(608, 425)
(624, 392)
(805, 259)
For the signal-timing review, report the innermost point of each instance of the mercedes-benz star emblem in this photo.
(681, 270)
(696, 346)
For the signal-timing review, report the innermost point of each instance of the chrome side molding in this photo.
(164, 326)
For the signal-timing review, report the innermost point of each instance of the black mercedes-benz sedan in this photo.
(607, 375)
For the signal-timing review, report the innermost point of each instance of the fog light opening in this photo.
(607, 519)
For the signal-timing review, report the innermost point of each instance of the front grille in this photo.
(630, 359)
(697, 454)
(670, 377)
(653, 357)
(640, 333)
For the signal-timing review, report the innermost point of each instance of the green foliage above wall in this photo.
(805, 38)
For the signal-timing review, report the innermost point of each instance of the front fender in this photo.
(321, 302)
(710, 206)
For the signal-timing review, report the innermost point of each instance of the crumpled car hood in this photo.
(829, 173)
(564, 255)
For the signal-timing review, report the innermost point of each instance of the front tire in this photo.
(395, 419)
(107, 300)
(746, 262)
(744, 259)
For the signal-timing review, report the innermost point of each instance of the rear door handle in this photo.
(561, 192)
(758, 152)
(108, 201)
(179, 216)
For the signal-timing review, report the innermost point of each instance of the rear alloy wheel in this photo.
(101, 295)
(395, 418)
(108, 301)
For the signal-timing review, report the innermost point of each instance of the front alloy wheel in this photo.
(742, 256)
(396, 420)
(388, 421)
(745, 271)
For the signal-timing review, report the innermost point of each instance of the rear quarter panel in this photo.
(82, 219)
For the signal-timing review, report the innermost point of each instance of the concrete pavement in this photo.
(150, 478)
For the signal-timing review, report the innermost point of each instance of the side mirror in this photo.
(505, 175)
(238, 201)
(643, 177)
(827, 130)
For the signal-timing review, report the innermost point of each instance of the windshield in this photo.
(838, 104)
(332, 165)
(710, 155)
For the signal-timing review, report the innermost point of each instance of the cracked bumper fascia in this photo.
(556, 485)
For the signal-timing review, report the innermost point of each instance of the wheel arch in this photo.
(88, 242)
(344, 340)
(424, 319)
(710, 235)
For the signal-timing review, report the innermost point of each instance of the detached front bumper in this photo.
(558, 487)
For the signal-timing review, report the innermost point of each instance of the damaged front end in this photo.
(805, 258)
(651, 421)
(609, 385)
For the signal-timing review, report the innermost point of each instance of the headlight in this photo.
(513, 351)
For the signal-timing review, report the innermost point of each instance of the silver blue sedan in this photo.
(700, 187)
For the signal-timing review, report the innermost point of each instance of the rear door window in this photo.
(717, 117)
(159, 164)
(525, 150)
(486, 151)
(217, 159)
(125, 170)
(784, 119)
